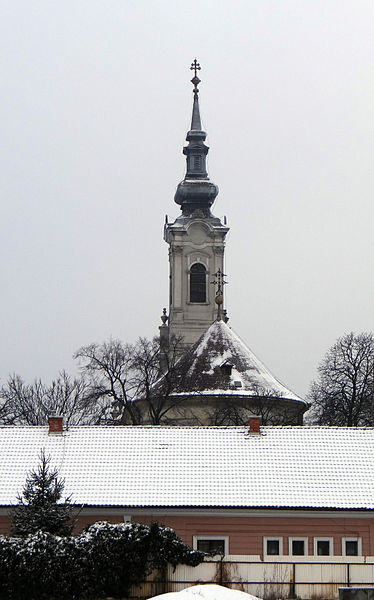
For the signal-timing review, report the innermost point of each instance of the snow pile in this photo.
(209, 591)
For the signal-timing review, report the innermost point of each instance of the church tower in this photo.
(196, 242)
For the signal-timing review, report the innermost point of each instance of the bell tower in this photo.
(196, 241)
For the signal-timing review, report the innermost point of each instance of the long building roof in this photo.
(158, 466)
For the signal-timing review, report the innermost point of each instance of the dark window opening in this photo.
(211, 546)
(272, 547)
(226, 369)
(351, 548)
(298, 547)
(323, 548)
(198, 283)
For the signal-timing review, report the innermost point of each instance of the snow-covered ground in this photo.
(209, 591)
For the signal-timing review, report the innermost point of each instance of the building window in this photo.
(298, 546)
(351, 546)
(273, 546)
(323, 546)
(211, 544)
(198, 283)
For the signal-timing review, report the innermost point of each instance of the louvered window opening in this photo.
(197, 161)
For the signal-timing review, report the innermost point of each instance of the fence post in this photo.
(292, 582)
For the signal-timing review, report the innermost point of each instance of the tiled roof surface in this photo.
(316, 467)
(200, 368)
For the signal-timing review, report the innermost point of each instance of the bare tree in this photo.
(107, 368)
(31, 404)
(158, 388)
(120, 383)
(130, 377)
(343, 394)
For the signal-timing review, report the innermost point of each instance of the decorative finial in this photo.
(219, 293)
(195, 66)
(164, 317)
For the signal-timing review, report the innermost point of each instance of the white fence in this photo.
(269, 580)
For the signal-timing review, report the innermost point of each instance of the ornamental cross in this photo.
(219, 293)
(219, 281)
(195, 66)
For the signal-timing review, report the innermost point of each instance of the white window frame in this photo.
(323, 539)
(352, 539)
(298, 539)
(225, 538)
(271, 538)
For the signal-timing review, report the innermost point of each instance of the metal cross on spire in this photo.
(195, 66)
(219, 293)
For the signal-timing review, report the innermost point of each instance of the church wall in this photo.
(210, 410)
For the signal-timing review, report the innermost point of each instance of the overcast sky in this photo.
(95, 105)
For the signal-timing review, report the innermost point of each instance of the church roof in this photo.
(205, 368)
(158, 466)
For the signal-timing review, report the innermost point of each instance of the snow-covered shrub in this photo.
(104, 560)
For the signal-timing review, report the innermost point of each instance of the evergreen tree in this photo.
(38, 507)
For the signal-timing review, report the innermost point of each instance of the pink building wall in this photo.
(246, 533)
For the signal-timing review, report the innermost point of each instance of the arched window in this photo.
(198, 283)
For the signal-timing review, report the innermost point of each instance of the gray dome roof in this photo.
(220, 363)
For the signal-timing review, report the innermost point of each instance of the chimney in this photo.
(55, 423)
(254, 424)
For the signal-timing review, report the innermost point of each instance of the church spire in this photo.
(195, 121)
(196, 191)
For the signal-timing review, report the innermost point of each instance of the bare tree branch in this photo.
(343, 394)
(137, 379)
(31, 404)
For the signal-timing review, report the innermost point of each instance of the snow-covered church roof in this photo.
(159, 466)
(220, 362)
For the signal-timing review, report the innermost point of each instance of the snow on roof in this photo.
(201, 372)
(158, 466)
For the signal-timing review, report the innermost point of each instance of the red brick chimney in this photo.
(254, 424)
(55, 423)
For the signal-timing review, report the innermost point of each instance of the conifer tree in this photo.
(38, 507)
